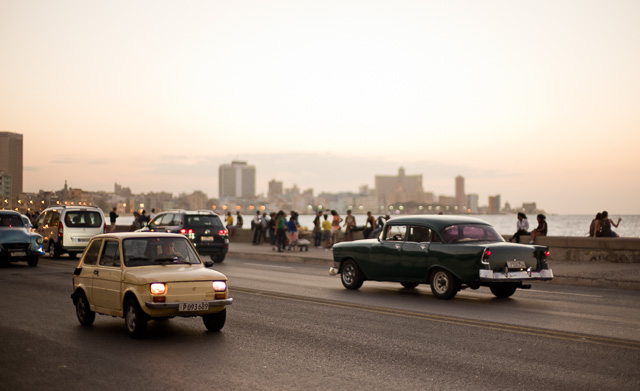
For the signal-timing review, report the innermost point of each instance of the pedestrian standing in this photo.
(326, 232)
(112, 218)
(317, 230)
(369, 225)
(256, 226)
(280, 231)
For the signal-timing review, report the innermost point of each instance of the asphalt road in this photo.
(293, 327)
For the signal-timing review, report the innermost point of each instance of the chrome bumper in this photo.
(491, 276)
(333, 271)
(162, 306)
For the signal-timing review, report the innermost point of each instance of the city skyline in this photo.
(538, 102)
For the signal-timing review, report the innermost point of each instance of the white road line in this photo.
(560, 293)
(274, 266)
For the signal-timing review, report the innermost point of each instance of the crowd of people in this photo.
(600, 227)
(282, 230)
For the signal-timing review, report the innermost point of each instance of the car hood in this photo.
(171, 273)
(15, 235)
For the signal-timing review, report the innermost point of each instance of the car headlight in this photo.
(219, 286)
(158, 288)
(39, 240)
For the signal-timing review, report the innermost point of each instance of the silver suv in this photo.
(68, 229)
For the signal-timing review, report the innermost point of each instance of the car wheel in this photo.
(351, 275)
(218, 259)
(443, 284)
(83, 310)
(135, 318)
(503, 290)
(215, 322)
(409, 285)
(54, 253)
(32, 260)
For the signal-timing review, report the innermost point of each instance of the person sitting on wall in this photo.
(522, 227)
(541, 229)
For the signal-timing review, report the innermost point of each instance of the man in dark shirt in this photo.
(112, 217)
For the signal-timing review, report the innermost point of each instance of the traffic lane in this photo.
(607, 312)
(290, 342)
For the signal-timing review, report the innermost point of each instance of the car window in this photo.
(11, 220)
(91, 253)
(395, 232)
(156, 221)
(166, 219)
(419, 234)
(204, 221)
(177, 219)
(110, 254)
(159, 250)
(470, 233)
(83, 219)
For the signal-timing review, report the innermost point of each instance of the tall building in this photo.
(494, 204)
(400, 188)
(275, 189)
(237, 180)
(11, 162)
(461, 199)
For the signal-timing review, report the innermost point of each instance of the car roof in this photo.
(437, 221)
(139, 235)
(13, 212)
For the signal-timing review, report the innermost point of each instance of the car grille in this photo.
(14, 246)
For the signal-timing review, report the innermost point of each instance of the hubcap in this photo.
(131, 318)
(347, 274)
(441, 282)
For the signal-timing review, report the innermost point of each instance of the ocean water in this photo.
(559, 225)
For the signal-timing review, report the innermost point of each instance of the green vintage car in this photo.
(448, 252)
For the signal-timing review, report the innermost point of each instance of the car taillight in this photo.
(186, 231)
(223, 232)
(104, 230)
(60, 230)
(485, 255)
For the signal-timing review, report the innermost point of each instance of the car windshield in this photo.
(83, 219)
(470, 233)
(10, 220)
(204, 221)
(158, 251)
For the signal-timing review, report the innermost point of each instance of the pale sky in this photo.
(533, 100)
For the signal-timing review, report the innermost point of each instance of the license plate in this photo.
(516, 264)
(190, 307)
(207, 238)
(81, 240)
(19, 254)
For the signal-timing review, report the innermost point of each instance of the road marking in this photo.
(567, 336)
(273, 266)
(560, 293)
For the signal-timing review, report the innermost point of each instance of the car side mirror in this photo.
(208, 263)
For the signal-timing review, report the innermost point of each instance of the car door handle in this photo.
(96, 272)
(398, 246)
(423, 246)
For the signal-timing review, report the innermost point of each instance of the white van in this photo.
(68, 229)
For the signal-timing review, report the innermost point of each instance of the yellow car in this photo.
(143, 276)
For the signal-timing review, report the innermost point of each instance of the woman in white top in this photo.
(522, 227)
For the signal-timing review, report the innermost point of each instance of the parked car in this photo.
(203, 227)
(17, 243)
(448, 252)
(68, 229)
(142, 276)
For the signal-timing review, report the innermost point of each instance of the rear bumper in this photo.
(491, 276)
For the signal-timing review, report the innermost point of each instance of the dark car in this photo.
(203, 227)
(448, 252)
(17, 243)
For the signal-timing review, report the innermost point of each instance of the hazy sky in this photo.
(532, 100)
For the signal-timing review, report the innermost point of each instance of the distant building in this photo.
(5, 190)
(461, 199)
(11, 163)
(400, 188)
(472, 203)
(275, 189)
(494, 204)
(237, 180)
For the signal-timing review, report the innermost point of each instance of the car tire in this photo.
(503, 291)
(54, 253)
(409, 285)
(135, 319)
(215, 322)
(83, 310)
(351, 276)
(443, 284)
(32, 260)
(218, 259)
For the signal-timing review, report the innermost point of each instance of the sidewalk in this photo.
(594, 274)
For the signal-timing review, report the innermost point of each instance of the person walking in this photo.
(112, 218)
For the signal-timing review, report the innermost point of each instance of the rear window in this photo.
(204, 221)
(471, 233)
(83, 219)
